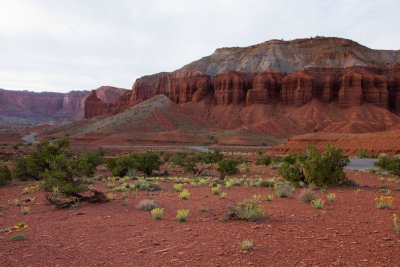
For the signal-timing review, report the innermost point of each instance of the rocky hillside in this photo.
(44, 106)
(290, 73)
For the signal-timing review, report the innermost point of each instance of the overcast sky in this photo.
(63, 45)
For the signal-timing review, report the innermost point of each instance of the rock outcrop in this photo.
(288, 72)
(50, 106)
(363, 86)
(265, 88)
(179, 87)
(230, 88)
(297, 89)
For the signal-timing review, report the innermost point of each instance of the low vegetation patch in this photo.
(216, 190)
(246, 210)
(182, 215)
(18, 237)
(314, 167)
(157, 213)
(318, 203)
(147, 204)
(391, 164)
(263, 161)
(331, 197)
(185, 194)
(307, 195)
(25, 210)
(247, 245)
(384, 202)
(5, 174)
(283, 189)
(395, 224)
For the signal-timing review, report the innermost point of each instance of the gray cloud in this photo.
(48, 45)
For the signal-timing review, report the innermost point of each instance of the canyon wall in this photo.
(285, 72)
(49, 106)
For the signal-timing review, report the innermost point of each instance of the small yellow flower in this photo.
(16, 227)
(26, 226)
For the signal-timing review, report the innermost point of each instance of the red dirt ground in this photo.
(349, 232)
(387, 142)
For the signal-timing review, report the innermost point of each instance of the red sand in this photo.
(348, 232)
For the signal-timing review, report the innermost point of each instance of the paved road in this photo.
(359, 164)
(30, 138)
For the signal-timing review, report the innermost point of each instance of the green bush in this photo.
(313, 167)
(363, 153)
(264, 161)
(197, 162)
(5, 174)
(283, 189)
(53, 163)
(142, 184)
(391, 164)
(145, 162)
(247, 210)
(228, 167)
(20, 170)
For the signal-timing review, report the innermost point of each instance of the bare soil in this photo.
(348, 232)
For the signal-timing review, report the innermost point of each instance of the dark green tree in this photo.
(5, 174)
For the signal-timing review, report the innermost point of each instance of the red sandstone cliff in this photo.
(288, 72)
(47, 106)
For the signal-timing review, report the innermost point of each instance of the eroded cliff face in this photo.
(179, 87)
(50, 106)
(290, 73)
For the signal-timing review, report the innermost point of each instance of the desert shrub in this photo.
(307, 195)
(391, 164)
(313, 167)
(269, 198)
(110, 196)
(142, 184)
(25, 210)
(331, 197)
(18, 237)
(147, 204)
(266, 183)
(246, 245)
(177, 187)
(40, 159)
(228, 167)
(318, 203)
(263, 161)
(216, 190)
(395, 224)
(20, 170)
(182, 215)
(198, 162)
(63, 172)
(5, 174)
(247, 210)
(363, 153)
(145, 162)
(384, 202)
(157, 213)
(185, 194)
(53, 163)
(283, 189)
(120, 166)
(223, 195)
(349, 183)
